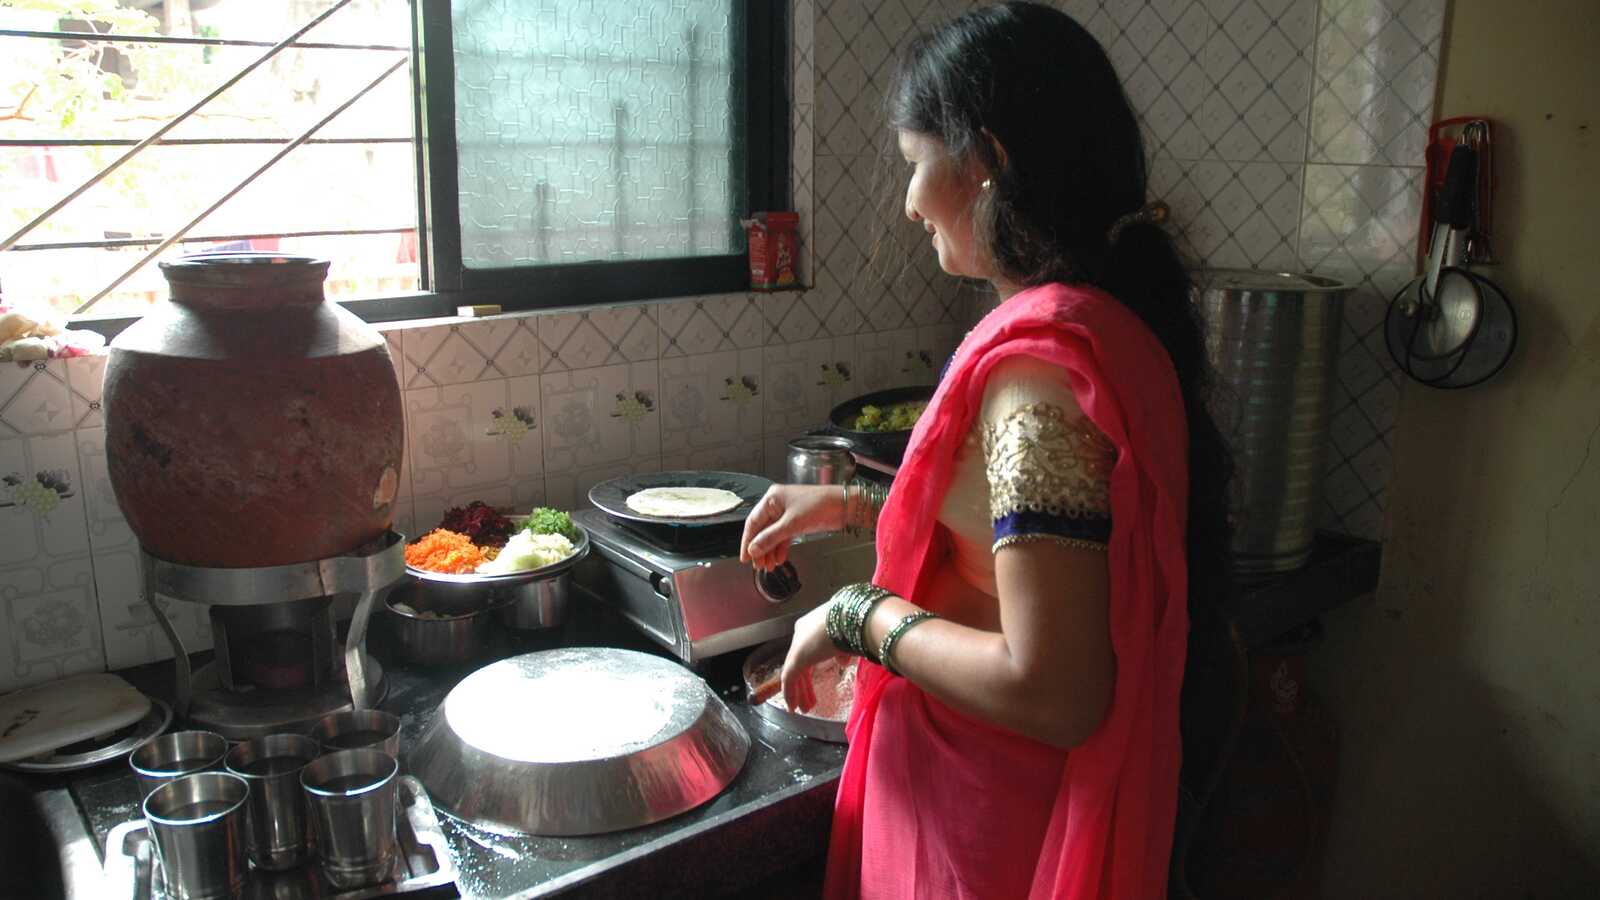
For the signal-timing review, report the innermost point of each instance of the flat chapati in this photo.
(682, 502)
(50, 716)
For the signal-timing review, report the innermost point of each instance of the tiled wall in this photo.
(1283, 133)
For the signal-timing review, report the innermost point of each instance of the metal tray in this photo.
(763, 658)
(424, 867)
(93, 752)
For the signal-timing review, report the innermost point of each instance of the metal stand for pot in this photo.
(370, 572)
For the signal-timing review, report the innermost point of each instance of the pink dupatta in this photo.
(1110, 828)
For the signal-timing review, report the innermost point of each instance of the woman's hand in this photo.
(809, 647)
(785, 513)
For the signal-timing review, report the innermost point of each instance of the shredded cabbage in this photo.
(527, 551)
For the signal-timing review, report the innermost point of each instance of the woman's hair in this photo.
(1028, 93)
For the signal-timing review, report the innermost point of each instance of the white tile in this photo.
(129, 629)
(602, 336)
(108, 528)
(1376, 71)
(886, 360)
(691, 325)
(747, 456)
(804, 381)
(570, 490)
(40, 523)
(603, 416)
(34, 398)
(86, 381)
(711, 399)
(49, 620)
(521, 353)
(473, 435)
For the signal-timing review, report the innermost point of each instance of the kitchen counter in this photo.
(774, 816)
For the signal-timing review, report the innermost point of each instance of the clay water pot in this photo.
(249, 422)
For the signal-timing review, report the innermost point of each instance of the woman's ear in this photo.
(997, 152)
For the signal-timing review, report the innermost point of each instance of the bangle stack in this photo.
(862, 501)
(886, 649)
(847, 616)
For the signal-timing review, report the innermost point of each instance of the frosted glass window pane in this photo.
(595, 130)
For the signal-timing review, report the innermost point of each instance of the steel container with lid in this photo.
(1273, 340)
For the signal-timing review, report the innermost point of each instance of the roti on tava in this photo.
(682, 502)
(50, 716)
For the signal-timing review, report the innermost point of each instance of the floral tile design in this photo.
(806, 380)
(602, 416)
(49, 621)
(711, 399)
(474, 435)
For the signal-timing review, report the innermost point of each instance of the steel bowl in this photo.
(466, 607)
(537, 604)
(453, 638)
(582, 740)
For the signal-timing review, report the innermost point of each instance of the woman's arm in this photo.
(1048, 674)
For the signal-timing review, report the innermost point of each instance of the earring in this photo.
(987, 184)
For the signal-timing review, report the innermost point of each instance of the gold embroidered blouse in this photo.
(1033, 467)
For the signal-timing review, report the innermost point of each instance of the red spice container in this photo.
(773, 250)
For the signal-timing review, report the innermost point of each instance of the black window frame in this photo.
(761, 87)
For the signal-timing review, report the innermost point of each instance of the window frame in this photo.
(447, 283)
(761, 87)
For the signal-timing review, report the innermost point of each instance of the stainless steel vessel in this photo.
(1273, 339)
(582, 740)
(820, 459)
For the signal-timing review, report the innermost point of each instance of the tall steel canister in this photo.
(1273, 339)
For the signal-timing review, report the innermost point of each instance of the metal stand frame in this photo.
(371, 574)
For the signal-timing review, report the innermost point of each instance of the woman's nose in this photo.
(911, 210)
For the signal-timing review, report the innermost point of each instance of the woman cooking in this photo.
(1060, 509)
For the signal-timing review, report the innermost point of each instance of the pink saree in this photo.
(935, 804)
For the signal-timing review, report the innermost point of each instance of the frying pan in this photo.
(882, 446)
(611, 497)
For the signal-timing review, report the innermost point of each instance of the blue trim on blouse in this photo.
(1083, 528)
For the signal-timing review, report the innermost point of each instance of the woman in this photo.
(1015, 727)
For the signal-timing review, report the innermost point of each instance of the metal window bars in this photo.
(155, 137)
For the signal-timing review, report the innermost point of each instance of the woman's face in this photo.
(940, 196)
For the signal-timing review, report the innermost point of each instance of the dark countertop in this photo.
(773, 816)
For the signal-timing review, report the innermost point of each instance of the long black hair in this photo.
(1031, 95)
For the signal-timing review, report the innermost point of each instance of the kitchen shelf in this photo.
(1341, 569)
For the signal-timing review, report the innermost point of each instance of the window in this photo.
(603, 149)
(575, 151)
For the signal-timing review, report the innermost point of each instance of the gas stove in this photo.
(688, 591)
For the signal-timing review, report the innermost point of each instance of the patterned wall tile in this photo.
(1377, 63)
(745, 457)
(805, 380)
(888, 359)
(85, 380)
(712, 400)
(570, 490)
(51, 626)
(34, 398)
(469, 437)
(603, 336)
(693, 325)
(601, 417)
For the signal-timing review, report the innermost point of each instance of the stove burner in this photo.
(720, 539)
